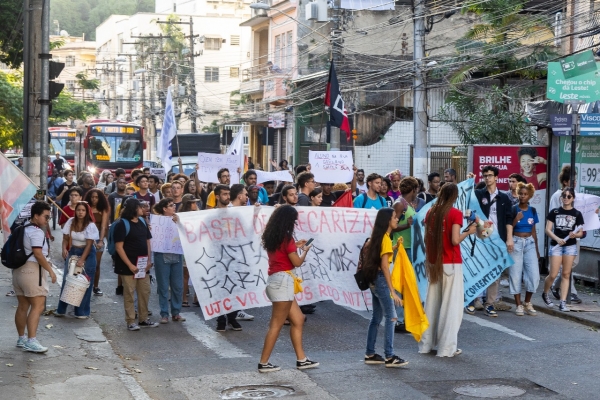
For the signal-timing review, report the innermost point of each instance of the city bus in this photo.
(111, 145)
(62, 140)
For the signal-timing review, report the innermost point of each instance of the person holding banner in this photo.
(169, 271)
(378, 253)
(526, 253)
(282, 284)
(443, 263)
(564, 226)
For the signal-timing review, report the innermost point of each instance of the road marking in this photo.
(210, 338)
(498, 327)
(132, 386)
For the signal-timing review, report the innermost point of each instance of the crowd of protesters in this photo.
(90, 210)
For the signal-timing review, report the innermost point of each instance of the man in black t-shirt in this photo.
(132, 245)
(328, 196)
(61, 192)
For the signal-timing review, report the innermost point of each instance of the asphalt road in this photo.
(544, 356)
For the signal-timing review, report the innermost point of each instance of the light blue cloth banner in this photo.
(489, 259)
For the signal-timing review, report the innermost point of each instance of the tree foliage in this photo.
(65, 107)
(486, 119)
(11, 33)
(11, 109)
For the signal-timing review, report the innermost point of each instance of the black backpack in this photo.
(13, 251)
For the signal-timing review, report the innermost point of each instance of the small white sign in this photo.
(160, 172)
(331, 166)
(277, 120)
(209, 164)
(142, 264)
(283, 176)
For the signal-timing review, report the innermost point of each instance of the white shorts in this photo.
(280, 287)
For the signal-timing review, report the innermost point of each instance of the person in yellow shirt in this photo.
(378, 253)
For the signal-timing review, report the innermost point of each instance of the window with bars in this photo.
(234, 40)
(234, 72)
(283, 51)
(288, 51)
(212, 43)
(70, 61)
(211, 74)
(277, 52)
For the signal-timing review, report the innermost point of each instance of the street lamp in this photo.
(266, 7)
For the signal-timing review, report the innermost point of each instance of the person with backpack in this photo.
(371, 198)
(129, 241)
(30, 277)
(79, 238)
(526, 253)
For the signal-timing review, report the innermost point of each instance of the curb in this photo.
(570, 316)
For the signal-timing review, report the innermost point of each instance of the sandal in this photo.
(185, 304)
(196, 304)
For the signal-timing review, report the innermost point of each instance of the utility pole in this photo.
(45, 95)
(192, 105)
(129, 101)
(420, 164)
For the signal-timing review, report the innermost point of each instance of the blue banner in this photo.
(489, 259)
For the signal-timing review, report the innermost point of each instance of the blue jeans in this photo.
(169, 273)
(383, 305)
(90, 269)
(525, 267)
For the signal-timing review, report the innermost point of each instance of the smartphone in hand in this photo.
(309, 242)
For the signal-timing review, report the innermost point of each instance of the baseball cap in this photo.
(188, 198)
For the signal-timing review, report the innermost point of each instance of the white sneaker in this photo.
(34, 346)
(504, 282)
(520, 311)
(529, 309)
(244, 316)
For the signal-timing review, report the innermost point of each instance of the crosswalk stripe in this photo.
(210, 338)
(498, 327)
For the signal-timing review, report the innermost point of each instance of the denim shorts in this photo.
(560, 251)
(280, 287)
(100, 249)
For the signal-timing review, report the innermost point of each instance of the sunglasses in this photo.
(566, 196)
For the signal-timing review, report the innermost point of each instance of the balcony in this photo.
(257, 16)
(275, 89)
(251, 86)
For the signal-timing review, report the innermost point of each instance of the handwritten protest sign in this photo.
(283, 176)
(165, 237)
(209, 164)
(588, 205)
(331, 166)
(489, 259)
(228, 265)
(160, 172)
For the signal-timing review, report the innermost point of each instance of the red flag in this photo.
(345, 200)
(333, 100)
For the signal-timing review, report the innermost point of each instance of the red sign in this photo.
(527, 161)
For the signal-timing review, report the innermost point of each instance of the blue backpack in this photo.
(110, 246)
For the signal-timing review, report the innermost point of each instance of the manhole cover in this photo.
(489, 391)
(256, 392)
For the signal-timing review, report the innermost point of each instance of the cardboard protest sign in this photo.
(209, 164)
(160, 172)
(284, 176)
(228, 265)
(331, 166)
(588, 205)
(486, 264)
(165, 236)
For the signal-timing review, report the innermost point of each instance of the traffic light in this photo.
(54, 87)
(354, 134)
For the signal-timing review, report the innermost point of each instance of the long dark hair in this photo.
(434, 231)
(159, 207)
(280, 228)
(102, 202)
(186, 188)
(76, 225)
(129, 209)
(372, 256)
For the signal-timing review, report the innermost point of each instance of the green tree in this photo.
(86, 84)
(66, 108)
(11, 109)
(11, 33)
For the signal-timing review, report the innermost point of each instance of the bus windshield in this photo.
(114, 149)
(64, 146)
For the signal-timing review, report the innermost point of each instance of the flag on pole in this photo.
(236, 148)
(16, 190)
(333, 100)
(169, 130)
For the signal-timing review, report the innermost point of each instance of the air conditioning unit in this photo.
(317, 11)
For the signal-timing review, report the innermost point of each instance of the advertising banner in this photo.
(562, 124)
(482, 264)
(584, 87)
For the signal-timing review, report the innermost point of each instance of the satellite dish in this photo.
(64, 33)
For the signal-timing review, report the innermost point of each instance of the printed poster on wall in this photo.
(528, 161)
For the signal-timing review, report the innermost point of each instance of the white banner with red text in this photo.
(228, 266)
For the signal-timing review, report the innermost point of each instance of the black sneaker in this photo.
(374, 359)
(119, 291)
(306, 364)
(400, 328)
(221, 326)
(268, 367)
(563, 306)
(555, 293)
(148, 324)
(235, 325)
(308, 309)
(547, 300)
(575, 299)
(98, 292)
(395, 362)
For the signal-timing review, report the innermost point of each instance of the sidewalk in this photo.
(80, 362)
(589, 296)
